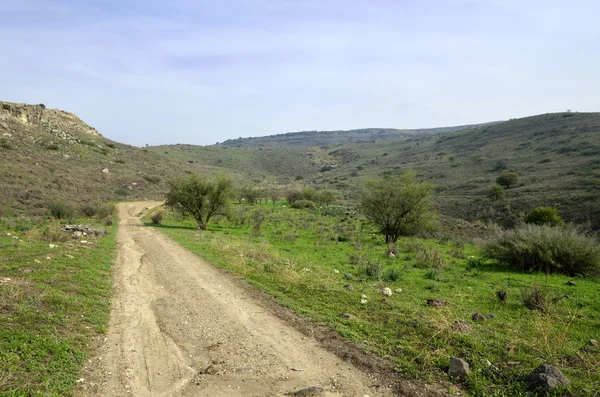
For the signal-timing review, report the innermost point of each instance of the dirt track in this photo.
(180, 327)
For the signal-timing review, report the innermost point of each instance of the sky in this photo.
(200, 72)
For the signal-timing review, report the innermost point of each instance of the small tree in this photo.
(507, 179)
(544, 216)
(496, 192)
(200, 198)
(251, 194)
(399, 205)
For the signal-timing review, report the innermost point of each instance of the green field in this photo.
(302, 257)
(54, 303)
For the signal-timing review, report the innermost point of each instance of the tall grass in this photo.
(564, 250)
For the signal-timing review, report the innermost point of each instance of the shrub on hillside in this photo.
(507, 179)
(105, 211)
(52, 146)
(60, 210)
(545, 248)
(151, 178)
(496, 192)
(307, 204)
(544, 216)
(5, 144)
(88, 210)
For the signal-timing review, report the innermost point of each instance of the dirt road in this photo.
(180, 327)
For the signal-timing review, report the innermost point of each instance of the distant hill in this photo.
(557, 157)
(324, 138)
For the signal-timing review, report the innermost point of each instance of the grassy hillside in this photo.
(557, 157)
(322, 138)
(50, 155)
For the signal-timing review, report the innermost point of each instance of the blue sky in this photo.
(183, 71)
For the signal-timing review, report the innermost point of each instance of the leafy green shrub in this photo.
(496, 192)
(52, 146)
(60, 210)
(544, 216)
(111, 145)
(507, 179)
(545, 248)
(157, 217)
(307, 204)
(6, 106)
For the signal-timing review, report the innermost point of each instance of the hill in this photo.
(557, 157)
(51, 155)
(323, 138)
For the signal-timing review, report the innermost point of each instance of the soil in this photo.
(181, 327)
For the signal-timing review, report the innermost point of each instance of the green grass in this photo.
(53, 302)
(301, 258)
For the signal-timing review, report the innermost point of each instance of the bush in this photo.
(88, 210)
(307, 204)
(60, 210)
(429, 258)
(152, 179)
(6, 106)
(392, 275)
(111, 145)
(399, 205)
(544, 216)
(157, 217)
(52, 146)
(496, 192)
(564, 250)
(121, 192)
(536, 298)
(5, 144)
(507, 179)
(105, 211)
(374, 270)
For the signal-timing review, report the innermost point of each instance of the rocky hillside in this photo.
(50, 155)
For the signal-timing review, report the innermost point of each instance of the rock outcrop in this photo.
(54, 121)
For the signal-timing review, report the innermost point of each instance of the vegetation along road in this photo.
(180, 327)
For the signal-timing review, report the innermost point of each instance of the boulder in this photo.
(386, 291)
(348, 276)
(546, 377)
(458, 368)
